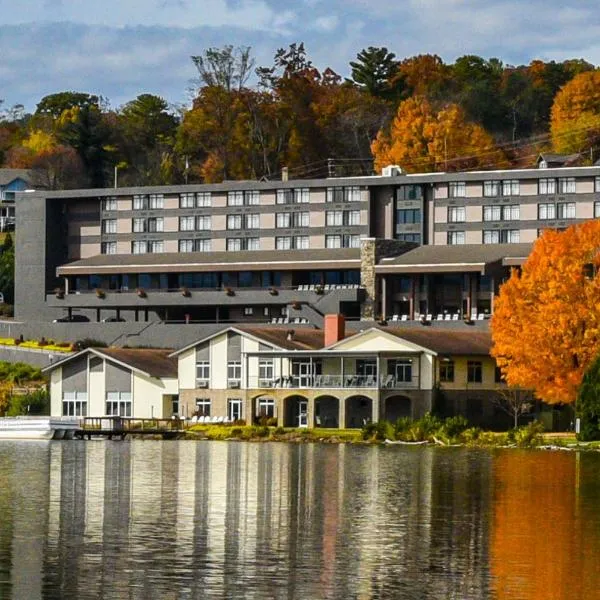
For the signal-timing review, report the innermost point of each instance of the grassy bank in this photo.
(280, 434)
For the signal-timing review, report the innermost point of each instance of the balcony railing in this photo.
(335, 381)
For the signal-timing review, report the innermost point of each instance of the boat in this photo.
(38, 428)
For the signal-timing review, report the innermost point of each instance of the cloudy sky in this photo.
(122, 48)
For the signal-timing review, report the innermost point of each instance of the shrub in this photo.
(527, 436)
(35, 403)
(451, 429)
(380, 431)
(423, 429)
(471, 436)
(236, 432)
(271, 422)
(279, 431)
(239, 422)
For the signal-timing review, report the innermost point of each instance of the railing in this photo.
(334, 381)
(129, 424)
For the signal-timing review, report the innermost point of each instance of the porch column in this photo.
(375, 406)
(342, 413)
(384, 302)
(310, 412)
(414, 283)
(66, 286)
(280, 410)
(492, 283)
(469, 296)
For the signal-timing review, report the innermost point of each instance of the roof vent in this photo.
(391, 171)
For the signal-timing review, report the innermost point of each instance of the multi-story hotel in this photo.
(406, 247)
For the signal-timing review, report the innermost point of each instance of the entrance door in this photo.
(302, 413)
(234, 409)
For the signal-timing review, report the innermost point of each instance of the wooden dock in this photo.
(121, 427)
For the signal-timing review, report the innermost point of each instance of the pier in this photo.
(121, 427)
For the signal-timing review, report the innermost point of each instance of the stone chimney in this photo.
(285, 174)
(335, 329)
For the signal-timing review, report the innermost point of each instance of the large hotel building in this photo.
(403, 247)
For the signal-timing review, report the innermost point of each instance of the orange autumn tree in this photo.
(546, 323)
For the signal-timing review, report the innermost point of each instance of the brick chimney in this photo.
(335, 329)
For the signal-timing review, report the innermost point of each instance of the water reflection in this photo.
(230, 520)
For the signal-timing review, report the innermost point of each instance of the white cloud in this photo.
(327, 23)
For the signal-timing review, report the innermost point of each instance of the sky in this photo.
(122, 48)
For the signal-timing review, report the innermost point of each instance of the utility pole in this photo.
(116, 175)
(330, 168)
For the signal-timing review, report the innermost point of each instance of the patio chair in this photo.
(455, 316)
(404, 318)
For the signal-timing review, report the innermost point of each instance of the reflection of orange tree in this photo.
(541, 546)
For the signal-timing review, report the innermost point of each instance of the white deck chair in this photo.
(455, 317)
(404, 318)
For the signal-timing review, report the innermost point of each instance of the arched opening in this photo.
(295, 411)
(397, 407)
(359, 411)
(327, 412)
(264, 410)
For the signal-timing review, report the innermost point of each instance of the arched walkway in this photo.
(359, 411)
(327, 412)
(295, 411)
(263, 408)
(396, 407)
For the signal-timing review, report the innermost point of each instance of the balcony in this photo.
(338, 381)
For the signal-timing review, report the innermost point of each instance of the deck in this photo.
(121, 427)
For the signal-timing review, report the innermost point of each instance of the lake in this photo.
(183, 519)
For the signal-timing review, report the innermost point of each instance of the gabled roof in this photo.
(558, 159)
(147, 361)
(288, 338)
(9, 175)
(446, 341)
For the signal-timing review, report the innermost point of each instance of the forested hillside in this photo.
(248, 121)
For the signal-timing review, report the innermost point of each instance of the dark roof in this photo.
(301, 339)
(149, 360)
(457, 256)
(190, 261)
(558, 159)
(446, 341)
(8, 175)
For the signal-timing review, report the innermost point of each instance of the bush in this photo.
(239, 422)
(236, 432)
(279, 431)
(451, 429)
(35, 403)
(380, 431)
(527, 436)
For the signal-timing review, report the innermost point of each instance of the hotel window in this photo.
(296, 196)
(203, 407)
(283, 242)
(252, 221)
(401, 369)
(547, 186)
(109, 203)
(266, 406)
(597, 184)
(118, 404)
(352, 217)
(194, 245)
(109, 226)
(234, 244)
(235, 198)
(409, 237)
(74, 404)
(203, 223)
(285, 196)
(265, 373)
(343, 194)
(283, 220)
(474, 371)
(334, 218)
(408, 215)
(202, 371)
(333, 241)
(237, 244)
(565, 210)
(203, 199)
(510, 187)
(252, 197)
(156, 247)
(596, 210)
(252, 243)
(446, 371)
(457, 189)
(491, 188)
(186, 245)
(546, 211)
(234, 221)
(511, 212)
(566, 185)
(301, 195)
(156, 201)
(456, 238)
(502, 236)
(301, 219)
(301, 242)
(187, 200)
(108, 248)
(140, 202)
(492, 213)
(138, 247)
(234, 373)
(456, 214)
(187, 223)
(342, 241)
(248, 311)
(155, 224)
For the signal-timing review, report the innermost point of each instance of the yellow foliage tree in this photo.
(575, 117)
(39, 141)
(422, 140)
(546, 323)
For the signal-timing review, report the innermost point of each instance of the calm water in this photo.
(170, 520)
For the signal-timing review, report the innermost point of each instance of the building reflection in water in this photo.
(172, 520)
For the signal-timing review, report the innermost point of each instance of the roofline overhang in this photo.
(335, 354)
(433, 268)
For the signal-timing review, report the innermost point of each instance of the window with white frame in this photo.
(283, 242)
(109, 203)
(284, 196)
(203, 371)
(235, 198)
(203, 199)
(156, 224)
(156, 201)
(456, 237)
(457, 214)
(352, 217)
(234, 409)
(546, 211)
(234, 221)
(252, 197)
(118, 404)
(547, 186)
(265, 372)
(140, 202)
(333, 241)
(301, 242)
(501, 236)
(187, 223)
(234, 373)
(156, 247)
(203, 407)
(565, 210)
(343, 194)
(301, 195)
(510, 187)
(266, 406)
(334, 218)
(234, 244)
(139, 247)
(248, 311)
(511, 212)
(186, 245)
(109, 226)
(74, 404)
(491, 237)
(108, 248)
(187, 200)
(253, 243)
(457, 189)
(352, 194)
(283, 220)
(252, 221)
(491, 188)
(401, 368)
(138, 225)
(301, 219)
(566, 185)
(492, 212)
(204, 223)
(194, 245)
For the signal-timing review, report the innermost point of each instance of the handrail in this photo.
(130, 424)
